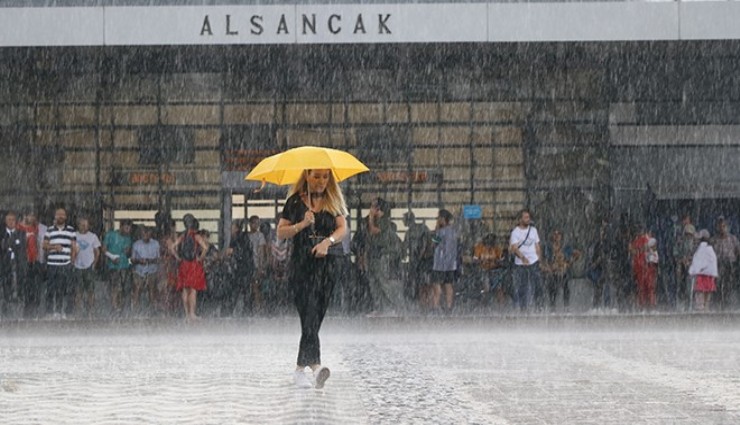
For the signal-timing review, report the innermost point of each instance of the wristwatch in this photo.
(332, 240)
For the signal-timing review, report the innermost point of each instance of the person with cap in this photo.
(683, 250)
(704, 268)
(727, 248)
(190, 251)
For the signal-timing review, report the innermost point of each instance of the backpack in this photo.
(427, 249)
(188, 248)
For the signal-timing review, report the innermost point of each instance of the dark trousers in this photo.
(725, 283)
(313, 290)
(58, 288)
(680, 296)
(241, 289)
(554, 283)
(602, 292)
(10, 289)
(526, 280)
(342, 297)
(9, 285)
(31, 289)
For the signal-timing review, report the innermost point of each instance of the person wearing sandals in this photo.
(314, 217)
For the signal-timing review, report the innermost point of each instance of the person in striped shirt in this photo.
(60, 245)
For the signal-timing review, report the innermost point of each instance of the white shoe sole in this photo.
(321, 377)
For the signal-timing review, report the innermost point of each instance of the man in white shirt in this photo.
(87, 259)
(524, 244)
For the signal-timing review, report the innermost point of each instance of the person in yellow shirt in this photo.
(490, 258)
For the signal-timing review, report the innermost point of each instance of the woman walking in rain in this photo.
(314, 217)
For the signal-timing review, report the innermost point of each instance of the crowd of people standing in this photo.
(56, 271)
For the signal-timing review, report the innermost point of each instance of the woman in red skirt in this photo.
(190, 250)
(644, 273)
(704, 268)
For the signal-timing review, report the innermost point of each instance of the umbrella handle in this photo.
(262, 186)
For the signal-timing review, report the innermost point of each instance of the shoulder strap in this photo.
(529, 229)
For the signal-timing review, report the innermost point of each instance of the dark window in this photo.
(50, 163)
(257, 137)
(166, 144)
(244, 146)
(383, 145)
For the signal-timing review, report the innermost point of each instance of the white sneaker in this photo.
(301, 380)
(321, 374)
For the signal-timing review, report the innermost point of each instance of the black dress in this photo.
(311, 278)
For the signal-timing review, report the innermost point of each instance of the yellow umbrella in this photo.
(286, 167)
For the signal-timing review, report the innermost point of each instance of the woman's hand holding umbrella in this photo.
(309, 219)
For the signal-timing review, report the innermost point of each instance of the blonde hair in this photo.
(333, 198)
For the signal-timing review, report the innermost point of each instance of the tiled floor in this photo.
(410, 371)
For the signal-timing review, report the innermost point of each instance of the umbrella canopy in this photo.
(286, 167)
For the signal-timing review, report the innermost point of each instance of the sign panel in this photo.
(307, 24)
(600, 21)
(391, 23)
(472, 212)
(51, 26)
(718, 22)
(368, 23)
(166, 25)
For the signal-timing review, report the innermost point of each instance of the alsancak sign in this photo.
(369, 23)
(384, 23)
(358, 24)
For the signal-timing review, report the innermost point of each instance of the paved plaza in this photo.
(656, 369)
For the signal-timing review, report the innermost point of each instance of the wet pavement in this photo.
(567, 369)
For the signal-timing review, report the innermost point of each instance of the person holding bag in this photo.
(524, 244)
